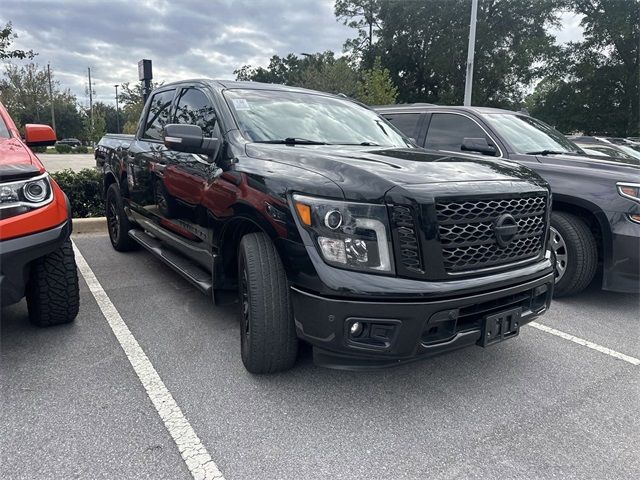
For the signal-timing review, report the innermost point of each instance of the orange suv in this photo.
(36, 256)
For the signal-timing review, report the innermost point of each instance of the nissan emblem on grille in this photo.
(505, 229)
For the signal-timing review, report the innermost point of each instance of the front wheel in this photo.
(53, 297)
(268, 338)
(576, 253)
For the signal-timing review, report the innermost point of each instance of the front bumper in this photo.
(622, 268)
(407, 330)
(16, 255)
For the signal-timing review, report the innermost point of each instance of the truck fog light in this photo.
(333, 219)
(333, 249)
(356, 250)
(356, 329)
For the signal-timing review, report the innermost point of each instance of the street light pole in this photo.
(53, 110)
(468, 83)
(117, 111)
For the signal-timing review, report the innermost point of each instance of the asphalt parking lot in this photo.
(540, 406)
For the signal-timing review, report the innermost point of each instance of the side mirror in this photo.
(478, 145)
(36, 135)
(189, 139)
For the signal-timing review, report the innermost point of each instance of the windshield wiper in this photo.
(364, 144)
(546, 152)
(294, 141)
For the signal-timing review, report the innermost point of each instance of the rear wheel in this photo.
(576, 253)
(53, 297)
(118, 224)
(268, 338)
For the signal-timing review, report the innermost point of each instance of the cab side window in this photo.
(407, 123)
(159, 114)
(194, 108)
(447, 131)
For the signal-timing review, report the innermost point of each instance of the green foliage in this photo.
(84, 191)
(38, 149)
(318, 71)
(131, 105)
(599, 89)
(94, 130)
(6, 39)
(81, 149)
(25, 93)
(62, 148)
(376, 86)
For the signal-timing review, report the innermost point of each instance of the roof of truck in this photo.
(223, 84)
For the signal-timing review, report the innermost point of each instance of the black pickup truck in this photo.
(332, 226)
(596, 200)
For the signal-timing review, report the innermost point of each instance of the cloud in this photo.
(184, 39)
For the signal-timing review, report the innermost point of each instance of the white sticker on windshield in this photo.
(241, 104)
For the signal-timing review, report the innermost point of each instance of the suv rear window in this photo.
(407, 123)
(159, 114)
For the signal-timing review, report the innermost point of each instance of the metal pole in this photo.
(117, 112)
(90, 99)
(468, 83)
(53, 110)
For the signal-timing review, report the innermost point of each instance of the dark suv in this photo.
(596, 200)
(332, 227)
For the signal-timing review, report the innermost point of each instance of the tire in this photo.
(267, 333)
(576, 253)
(53, 297)
(118, 225)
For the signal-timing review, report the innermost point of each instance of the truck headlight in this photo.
(348, 235)
(30, 193)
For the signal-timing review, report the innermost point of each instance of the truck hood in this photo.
(16, 161)
(376, 170)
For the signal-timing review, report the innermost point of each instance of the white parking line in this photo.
(586, 343)
(194, 454)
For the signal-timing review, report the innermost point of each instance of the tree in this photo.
(361, 15)
(25, 93)
(424, 46)
(108, 112)
(318, 71)
(376, 86)
(94, 131)
(6, 39)
(599, 89)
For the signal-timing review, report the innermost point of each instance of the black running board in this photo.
(197, 276)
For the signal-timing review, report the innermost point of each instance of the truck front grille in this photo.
(467, 233)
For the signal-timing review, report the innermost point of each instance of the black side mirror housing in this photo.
(478, 145)
(189, 139)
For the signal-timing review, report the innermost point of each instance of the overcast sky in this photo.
(185, 39)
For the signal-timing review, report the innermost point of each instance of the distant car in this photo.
(596, 199)
(609, 146)
(72, 142)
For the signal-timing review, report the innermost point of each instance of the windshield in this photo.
(275, 116)
(528, 135)
(4, 131)
(629, 151)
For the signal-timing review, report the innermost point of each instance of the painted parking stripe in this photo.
(194, 454)
(586, 343)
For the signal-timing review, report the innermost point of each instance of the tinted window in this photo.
(407, 123)
(447, 131)
(194, 108)
(4, 131)
(159, 114)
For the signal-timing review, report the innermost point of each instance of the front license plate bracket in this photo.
(500, 326)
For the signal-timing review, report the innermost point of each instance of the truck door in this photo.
(184, 177)
(145, 153)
